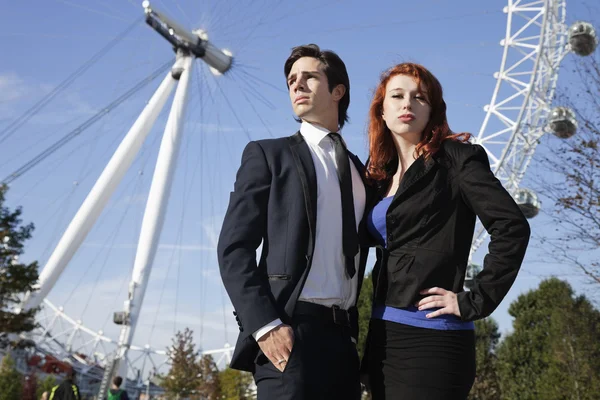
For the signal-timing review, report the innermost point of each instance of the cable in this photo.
(27, 115)
(77, 131)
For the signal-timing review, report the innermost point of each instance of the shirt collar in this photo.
(313, 134)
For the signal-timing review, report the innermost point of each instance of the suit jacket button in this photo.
(234, 313)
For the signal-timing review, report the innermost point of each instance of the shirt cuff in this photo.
(266, 329)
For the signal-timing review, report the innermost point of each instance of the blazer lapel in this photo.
(308, 178)
(416, 172)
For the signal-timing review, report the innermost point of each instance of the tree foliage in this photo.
(46, 385)
(15, 278)
(210, 388)
(554, 351)
(11, 385)
(235, 385)
(364, 304)
(486, 385)
(184, 377)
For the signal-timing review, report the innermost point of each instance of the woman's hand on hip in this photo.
(443, 299)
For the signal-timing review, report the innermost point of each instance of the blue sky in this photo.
(45, 41)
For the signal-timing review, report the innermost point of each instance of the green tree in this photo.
(46, 385)
(10, 380)
(553, 352)
(364, 304)
(209, 388)
(15, 278)
(486, 385)
(184, 377)
(235, 385)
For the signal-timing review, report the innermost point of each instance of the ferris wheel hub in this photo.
(194, 42)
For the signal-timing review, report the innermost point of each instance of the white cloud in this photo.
(18, 95)
(12, 87)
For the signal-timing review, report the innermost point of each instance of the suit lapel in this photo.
(308, 179)
(416, 172)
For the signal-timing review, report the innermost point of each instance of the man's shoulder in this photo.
(274, 143)
(274, 146)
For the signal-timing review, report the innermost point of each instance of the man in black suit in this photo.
(303, 198)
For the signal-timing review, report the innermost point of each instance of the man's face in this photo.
(309, 92)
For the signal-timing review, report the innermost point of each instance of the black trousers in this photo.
(323, 364)
(410, 363)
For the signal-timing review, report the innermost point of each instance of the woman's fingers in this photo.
(428, 300)
(435, 290)
(439, 312)
(445, 300)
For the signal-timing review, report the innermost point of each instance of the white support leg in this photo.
(98, 197)
(154, 214)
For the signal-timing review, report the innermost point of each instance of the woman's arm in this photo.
(509, 232)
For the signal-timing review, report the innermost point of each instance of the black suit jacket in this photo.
(430, 225)
(274, 203)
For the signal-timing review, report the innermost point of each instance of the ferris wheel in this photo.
(520, 111)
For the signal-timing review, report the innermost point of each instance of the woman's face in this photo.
(406, 108)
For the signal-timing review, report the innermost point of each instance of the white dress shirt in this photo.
(328, 283)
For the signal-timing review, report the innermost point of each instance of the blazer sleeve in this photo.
(243, 229)
(509, 232)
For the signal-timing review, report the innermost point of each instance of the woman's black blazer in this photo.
(430, 225)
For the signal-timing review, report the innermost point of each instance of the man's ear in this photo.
(338, 92)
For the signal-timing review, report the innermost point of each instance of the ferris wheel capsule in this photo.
(472, 271)
(528, 202)
(582, 38)
(562, 122)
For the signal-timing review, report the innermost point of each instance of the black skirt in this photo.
(406, 362)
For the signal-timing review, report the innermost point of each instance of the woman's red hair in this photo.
(382, 150)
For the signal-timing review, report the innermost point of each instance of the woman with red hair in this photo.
(431, 184)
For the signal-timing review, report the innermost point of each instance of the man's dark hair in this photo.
(335, 71)
(117, 381)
